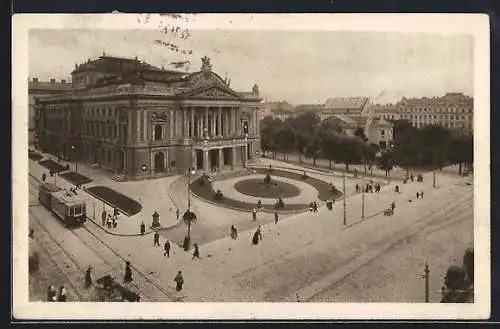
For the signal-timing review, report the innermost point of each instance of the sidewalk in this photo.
(153, 195)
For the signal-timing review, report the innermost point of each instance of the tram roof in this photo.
(69, 198)
(50, 187)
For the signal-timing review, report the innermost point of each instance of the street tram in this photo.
(69, 206)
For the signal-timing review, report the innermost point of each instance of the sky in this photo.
(301, 67)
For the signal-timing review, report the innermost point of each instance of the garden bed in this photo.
(34, 156)
(205, 191)
(257, 188)
(76, 178)
(115, 199)
(53, 166)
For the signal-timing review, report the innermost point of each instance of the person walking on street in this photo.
(315, 206)
(254, 214)
(177, 213)
(196, 253)
(103, 217)
(88, 277)
(257, 236)
(179, 281)
(418, 195)
(166, 247)
(62, 294)
(109, 221)
(276, 218)
(234, 232)
(421, 194)
(143, 228)
(156, 239)
(51, 294)
(128, 273)
(393, 205)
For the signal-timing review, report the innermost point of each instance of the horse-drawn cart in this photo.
(388, 212)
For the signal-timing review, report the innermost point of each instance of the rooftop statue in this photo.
(255, 89)
(205, 64)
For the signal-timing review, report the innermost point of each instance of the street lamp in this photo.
(246, 151)
(73, 151)
(144, 168)
(344, 199)
(191, 172)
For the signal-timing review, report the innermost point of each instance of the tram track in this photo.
(458, 206)
(149, 287)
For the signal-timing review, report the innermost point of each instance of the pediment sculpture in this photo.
(214, 93)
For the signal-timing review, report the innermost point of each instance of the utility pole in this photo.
(362, 203)
(426, 277)
(343, 187)
(93, 213)
(434, 179)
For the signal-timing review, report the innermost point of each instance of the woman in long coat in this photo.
(128, 273)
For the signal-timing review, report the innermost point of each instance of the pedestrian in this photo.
(143, 228)
(88, 277)
(411, 177)
(103, 217)
(421, 194)
(196, 253)
(357, 188)
(62, 294)
(315, 206)
(156, 239)
(418, 195)
(257, 236)
(31, 233)
(177, 213)
(234, 232)
(109, 222)
(259, 204)
(128, 273)
(115, 222)
(393, 205)
(44, 177)
(166, 247)
(179, 281)
(276, 217)
(51, 294)
(254, 214)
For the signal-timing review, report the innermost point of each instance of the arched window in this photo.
(158, 133)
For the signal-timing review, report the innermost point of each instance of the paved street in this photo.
(309, 254)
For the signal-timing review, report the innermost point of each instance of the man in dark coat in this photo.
(196, 253)
(143, 228)
(156, 239)
(179, 281)
(257, 236)
(276, 218)
(177, 213)
(166, 247)
(128, 273)
(88, 277)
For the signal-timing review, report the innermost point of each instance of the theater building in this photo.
(140, 121)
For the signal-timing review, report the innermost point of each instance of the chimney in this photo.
(63, 80)
(52, 80)
(35, 79)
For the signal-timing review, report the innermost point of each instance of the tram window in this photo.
(71, 211)
(78, 210)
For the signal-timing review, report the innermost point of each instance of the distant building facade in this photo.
(386, 111)
(453, 110)
(280, 110)
(352, 106)
(142, 121)
(38, 89)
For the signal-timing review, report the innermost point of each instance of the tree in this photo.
(303, 128)
(386, 162)
(349, 150)
(189, 218)
(268, 138)
(434, 142)
(360, 133)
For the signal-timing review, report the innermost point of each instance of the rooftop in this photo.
(69, 197)
(342, 103)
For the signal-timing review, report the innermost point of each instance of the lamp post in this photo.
(144, 168)
(245, 151)
(434, 179)
(344, 199)
(191, 172)
(73, 148)
(362, 203)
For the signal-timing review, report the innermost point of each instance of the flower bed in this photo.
(53, 166)
(75, 178)
(115, 199)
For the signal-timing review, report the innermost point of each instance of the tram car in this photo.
(69, 206)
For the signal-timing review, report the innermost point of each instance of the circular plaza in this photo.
(296, 191)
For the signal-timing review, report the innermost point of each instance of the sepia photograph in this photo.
(251, 166)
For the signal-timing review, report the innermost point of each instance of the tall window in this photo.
(158, 133)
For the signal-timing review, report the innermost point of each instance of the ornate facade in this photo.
(141, 121)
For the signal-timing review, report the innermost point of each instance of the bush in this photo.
(267, 179)
(304, 175)
(219, 195)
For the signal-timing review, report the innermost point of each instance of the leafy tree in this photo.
(189, 218)
(360, 133)
(349, 150)
(303, 128)
(386, 162)
(434, 142)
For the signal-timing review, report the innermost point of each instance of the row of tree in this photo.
(305, 135)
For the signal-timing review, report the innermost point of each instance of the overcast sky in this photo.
(296, 66)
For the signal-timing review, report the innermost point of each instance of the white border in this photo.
(474, 24)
